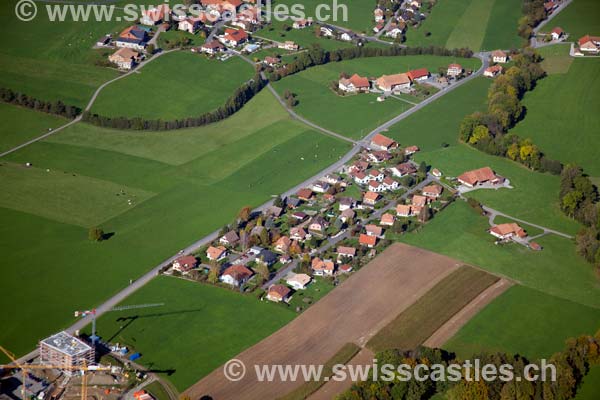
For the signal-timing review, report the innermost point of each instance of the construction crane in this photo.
(26, 367)
(86, 313)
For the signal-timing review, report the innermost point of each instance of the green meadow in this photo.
(21, 124)
(580, 18)
(562, 113)
(525, 321)
(176, 85)
(461, 233)
(356, 115)
(476, 24)
(187, 183)
(207, 324)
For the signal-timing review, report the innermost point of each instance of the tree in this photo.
(213, 273)
(480, 132)
(95, 234)
(570, 202)
(244, 214)
(278, 202)
(262, 270)
(422, 167)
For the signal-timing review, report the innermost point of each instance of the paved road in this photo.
(147, 277)
(493, 213)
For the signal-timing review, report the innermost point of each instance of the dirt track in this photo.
(353, 312)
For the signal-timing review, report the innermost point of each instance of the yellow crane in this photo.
(25, 367)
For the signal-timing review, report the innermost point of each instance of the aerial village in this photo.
(329, 230)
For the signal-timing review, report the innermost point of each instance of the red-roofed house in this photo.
(479, 176)
(410, 150)
(589, 44)
(508, 231)
(233, 37)
(283, 244)
(370, 198)
(366, 240)
(498, 56)
(355, 83)
(322, 267)
(216, 253)
(418, 75)
(304, 194)
(278, 293)
(185, 264)
(454, 70)
(419, 201)
(382, 142)
(212, 47)
(236, 275)
(433, 191)
(557, 33)
(404, 210)
(492, 71)
(394, 82)
(387, 220)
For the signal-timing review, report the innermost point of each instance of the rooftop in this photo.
(66, 344)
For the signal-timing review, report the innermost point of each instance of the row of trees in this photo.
(579, 200)
(533, 13)
(56, 107)
(240, 97)
(572, 364)
(487, 130)
(317, 56)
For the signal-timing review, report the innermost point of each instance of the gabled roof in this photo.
(418, 73)
(280, 290)
(367, 240)
(508, 228)
(436, 189)
(235, 35)
(498, 53)
(371, 196)
(383, 141)
(477, 175)
(357, 81)
(238, 272)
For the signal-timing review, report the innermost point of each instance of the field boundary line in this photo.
(462, 317)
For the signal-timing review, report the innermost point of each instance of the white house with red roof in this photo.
(557, 33)
(354, 84)
(454, 70)
(233, 37)
(185, 264)
(418, 75)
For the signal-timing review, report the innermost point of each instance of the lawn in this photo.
(176, 85)
(461, 233)
(355, 115)
(477, 24)
(524, 321)
(241, 161)
(556, 58)
(52, 60)
(21, 124)
(568, 132)
(157, 391)
(438, 123)
(580, 18)
(419, 321)
(202, 322)
(89, 201)
(318, 288)
(590, 387)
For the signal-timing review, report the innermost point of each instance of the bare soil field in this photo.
(353, 312)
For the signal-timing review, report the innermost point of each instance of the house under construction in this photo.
(63, 349)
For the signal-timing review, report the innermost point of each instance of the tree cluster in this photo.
(56, 107)
(579, 200)
(317, 56)
(572, 364)
(234, 103)
(487, 130)
(533, 13)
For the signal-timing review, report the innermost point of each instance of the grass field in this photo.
(177, 85)
(21, 124)
(580, 18)
(574, 122)
(527, 322)
(157, 391)
(460, 233)
(207, 321)
(201, 178)
(52, 60)
(477, 24)
(419, 321)
(590, 387)
(556, 58)
(355, 116)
